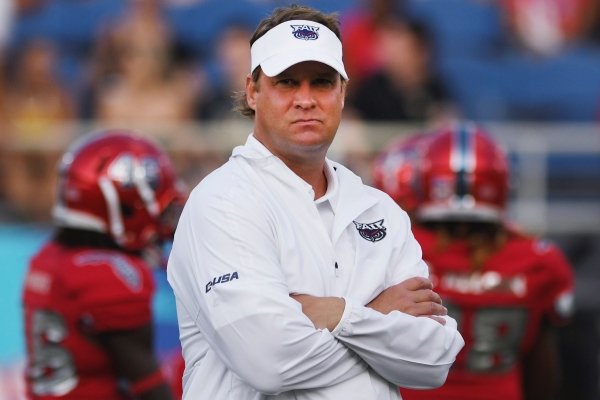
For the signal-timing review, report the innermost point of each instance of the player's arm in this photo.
(118, 309)
(541, 372)
(132, 354)
(541, 367)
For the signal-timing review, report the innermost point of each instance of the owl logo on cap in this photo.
(305, 32)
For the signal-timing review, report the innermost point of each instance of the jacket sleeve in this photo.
(224, 270)
(414, 352)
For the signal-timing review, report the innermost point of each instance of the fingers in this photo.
(432, 308)
(426, 308)
(416, 283)
(437, 309)
(425, 295)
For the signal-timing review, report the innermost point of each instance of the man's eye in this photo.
(323, 82)
(285, 82)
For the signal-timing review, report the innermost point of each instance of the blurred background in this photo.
(528, 70)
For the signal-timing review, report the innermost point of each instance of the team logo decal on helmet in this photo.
(442, 188)
(396, 170)
(305, 32)
(373, 231)
(126, 169)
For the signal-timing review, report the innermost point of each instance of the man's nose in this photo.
(304, 95)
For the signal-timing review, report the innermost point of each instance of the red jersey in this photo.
(70, 295)
(499, 310)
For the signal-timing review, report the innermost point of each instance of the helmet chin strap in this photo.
(115, 218)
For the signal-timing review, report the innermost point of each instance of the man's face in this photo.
(298, 111)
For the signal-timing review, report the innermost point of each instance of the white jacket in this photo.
(249, 236)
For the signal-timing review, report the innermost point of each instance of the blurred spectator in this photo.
(594, 28)
(546, 27)
(359, 35)
(35, 97)
(3, 117)
(137, 81)
(405, 87)
(35, 111)
(232, 64)
(26, 6)
(3, 134)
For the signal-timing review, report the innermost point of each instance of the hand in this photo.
(324, 312)
(414, 296)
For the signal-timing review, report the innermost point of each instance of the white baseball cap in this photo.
(292, 42)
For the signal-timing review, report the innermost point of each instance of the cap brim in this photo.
(282, 61)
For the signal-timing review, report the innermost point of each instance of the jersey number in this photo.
(51, 370)
(496, 337)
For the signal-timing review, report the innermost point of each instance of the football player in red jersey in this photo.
(507, 290)
(87, 294)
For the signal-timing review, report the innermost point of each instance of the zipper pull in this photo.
(337, 269)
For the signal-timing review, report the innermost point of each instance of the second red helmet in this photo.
(464, 175)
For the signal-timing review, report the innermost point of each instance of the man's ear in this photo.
(251, 91)
(344, 88)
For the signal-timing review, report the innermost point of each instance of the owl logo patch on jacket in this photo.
(371, 231)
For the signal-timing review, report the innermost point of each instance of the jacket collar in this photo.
(356, 199)
(345, 184)
(255, 152)
(252, 149)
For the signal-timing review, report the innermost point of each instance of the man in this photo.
(288, 271)
(88, 292)
(507, 290)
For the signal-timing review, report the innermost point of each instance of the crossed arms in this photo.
(414, 296)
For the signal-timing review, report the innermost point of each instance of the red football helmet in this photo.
(465, 176)
(396, 170)
(121, 184)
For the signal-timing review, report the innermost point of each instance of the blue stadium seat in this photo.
(478, 86)
(462, 28)
(520, 87)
